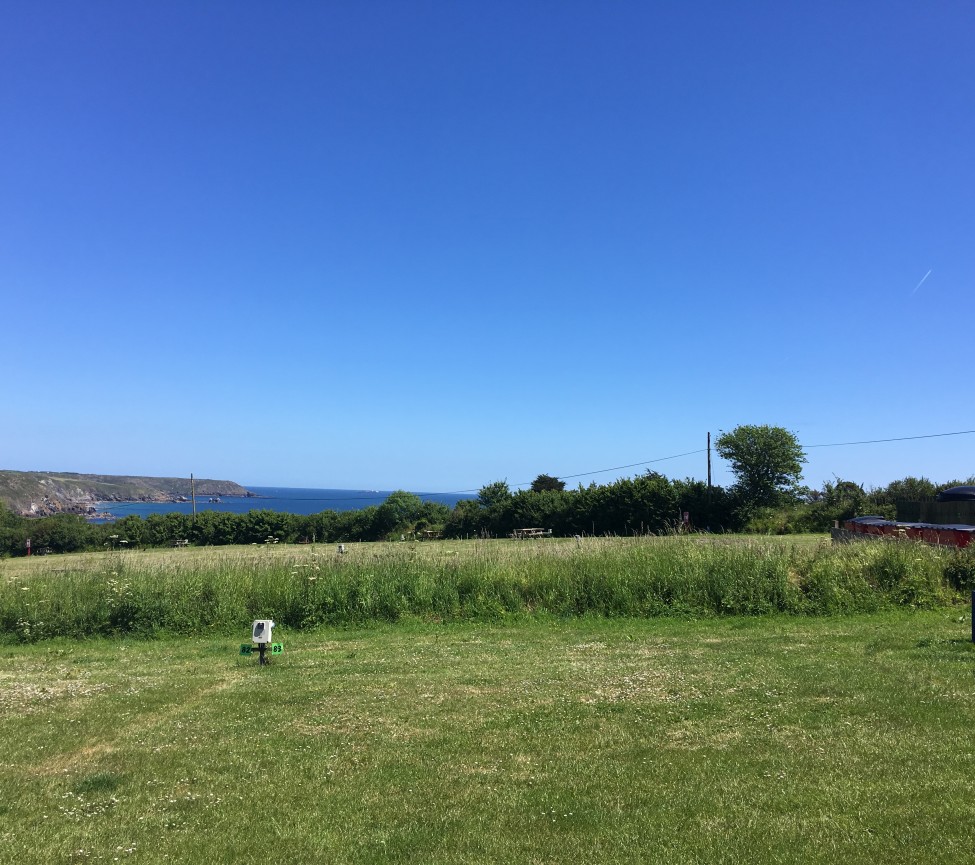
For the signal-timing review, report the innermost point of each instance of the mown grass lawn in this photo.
(580, 740)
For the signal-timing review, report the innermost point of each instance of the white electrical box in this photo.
(261, 631)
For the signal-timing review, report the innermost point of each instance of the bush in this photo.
(959, 569)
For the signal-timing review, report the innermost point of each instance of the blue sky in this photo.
(431, 245)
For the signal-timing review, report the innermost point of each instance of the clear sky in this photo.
(430, 245)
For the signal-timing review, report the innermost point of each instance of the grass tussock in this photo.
(205, 590)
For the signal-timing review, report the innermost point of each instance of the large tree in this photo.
(494, 495)
(495, 502)
(767, 462)
(547, 482)
(398, 513)
(909, 489)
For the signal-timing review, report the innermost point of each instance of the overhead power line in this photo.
(630, 466)
(478, 489)
(377, 496)
(649, 462)
(900, 439)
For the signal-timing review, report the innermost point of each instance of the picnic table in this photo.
(531, 533)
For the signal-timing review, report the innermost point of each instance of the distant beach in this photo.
(293, 500)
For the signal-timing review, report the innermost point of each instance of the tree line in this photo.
(767, 497)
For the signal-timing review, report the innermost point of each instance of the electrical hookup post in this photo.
(261, 638)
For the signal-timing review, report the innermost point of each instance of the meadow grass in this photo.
(776, 739)
(219, 589)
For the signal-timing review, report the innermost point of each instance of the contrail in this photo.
(916, 287)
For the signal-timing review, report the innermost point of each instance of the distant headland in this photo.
(42, 494)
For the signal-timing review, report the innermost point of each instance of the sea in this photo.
(292, 500)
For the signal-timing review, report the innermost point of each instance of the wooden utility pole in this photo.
(193, 491)
(709, 480)
(709, 464)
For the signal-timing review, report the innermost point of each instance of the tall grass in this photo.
(304, 587)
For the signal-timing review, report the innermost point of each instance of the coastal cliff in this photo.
(42, 494)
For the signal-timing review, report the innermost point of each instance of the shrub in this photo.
(959, 569)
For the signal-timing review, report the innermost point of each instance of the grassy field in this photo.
(541, 740)
(260, 554)
(191, 591)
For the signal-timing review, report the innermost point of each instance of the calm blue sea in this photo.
(292, 500)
